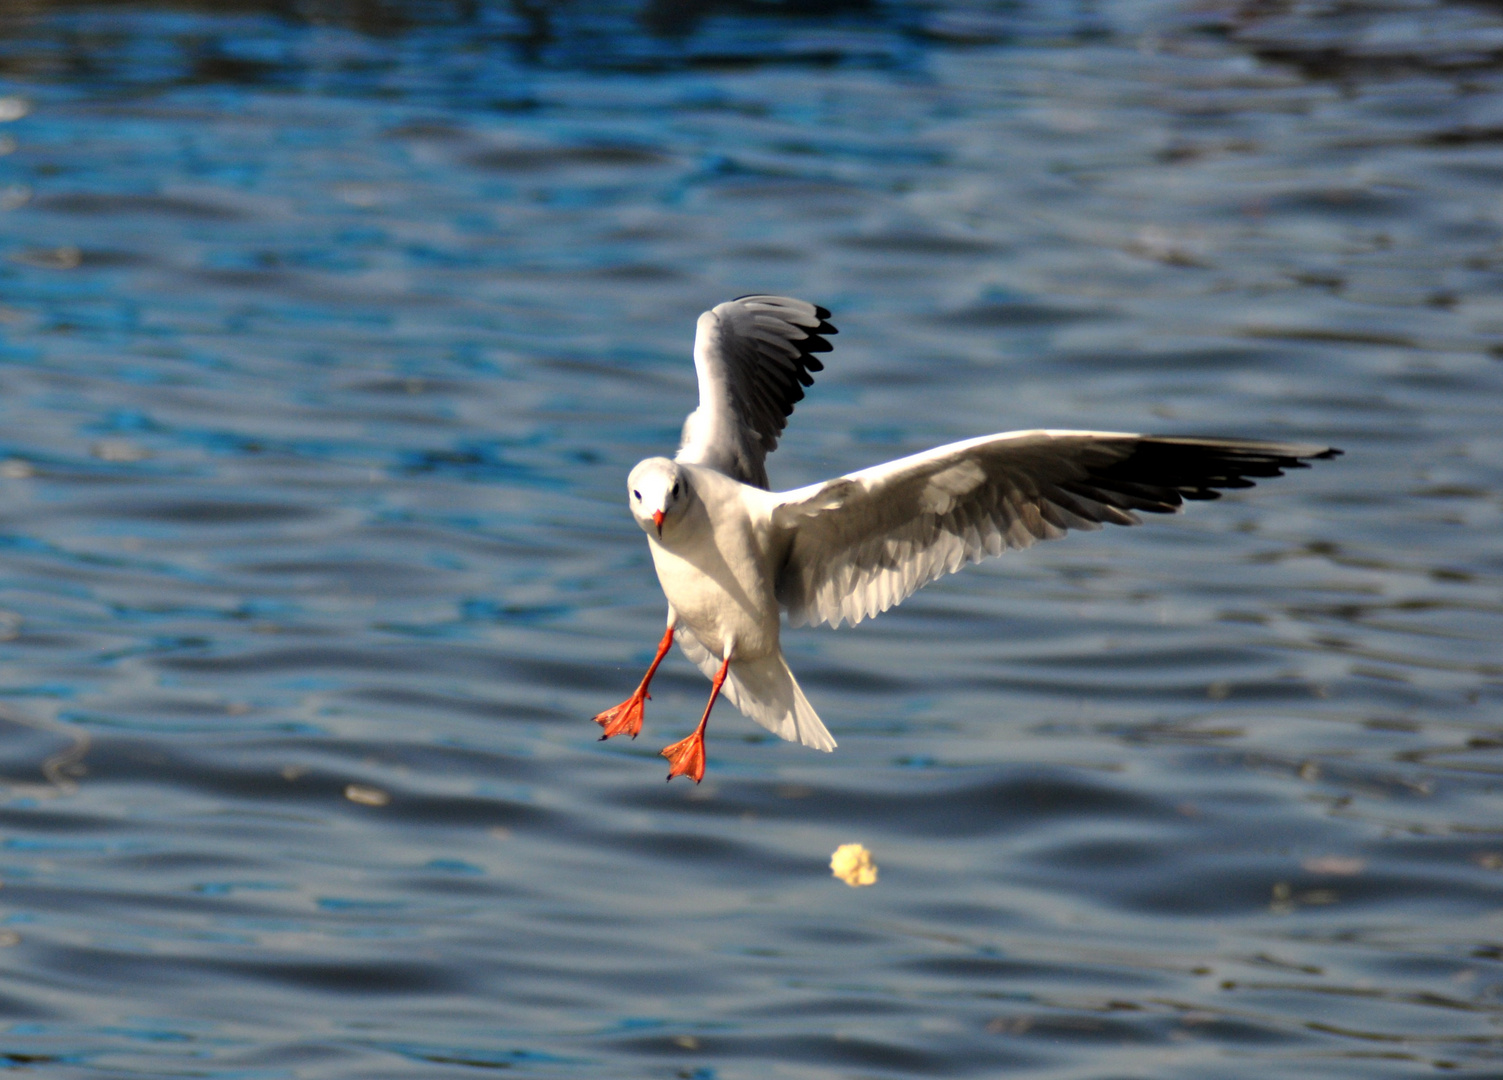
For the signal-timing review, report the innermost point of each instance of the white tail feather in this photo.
(765, 691)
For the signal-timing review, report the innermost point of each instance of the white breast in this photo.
(715, 571)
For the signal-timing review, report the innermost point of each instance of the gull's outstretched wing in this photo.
(753, 356)
(861, 543)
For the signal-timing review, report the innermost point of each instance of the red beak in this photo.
(657, 519)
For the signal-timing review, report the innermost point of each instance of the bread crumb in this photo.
(853, 865)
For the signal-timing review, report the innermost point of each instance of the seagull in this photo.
(732, 555)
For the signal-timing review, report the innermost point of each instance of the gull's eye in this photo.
(637, 495)
(675, 491)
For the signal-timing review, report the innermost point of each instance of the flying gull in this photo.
(731, 554)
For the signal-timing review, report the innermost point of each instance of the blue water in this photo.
(328, 333)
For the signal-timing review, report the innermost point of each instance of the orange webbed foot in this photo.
(624, 719)
(687, 757)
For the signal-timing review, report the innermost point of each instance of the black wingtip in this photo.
(768, 369)
(1160, 470)
(821, 312)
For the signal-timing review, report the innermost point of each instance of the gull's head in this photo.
(658, 491)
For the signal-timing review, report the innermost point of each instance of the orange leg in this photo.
(687, 756)
(626, 718)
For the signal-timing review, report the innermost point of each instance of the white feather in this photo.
(765, 691)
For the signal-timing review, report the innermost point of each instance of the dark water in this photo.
(329, 332)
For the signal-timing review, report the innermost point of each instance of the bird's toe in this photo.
(687, 757)
(623, 719)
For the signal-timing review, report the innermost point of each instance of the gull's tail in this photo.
(765, 691)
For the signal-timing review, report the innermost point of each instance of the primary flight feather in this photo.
(732, 555)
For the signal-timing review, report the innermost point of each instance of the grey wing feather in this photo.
(753, 356)
(864, 542)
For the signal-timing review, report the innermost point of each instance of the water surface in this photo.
(329, 333)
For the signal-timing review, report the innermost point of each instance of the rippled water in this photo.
(329, 332)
